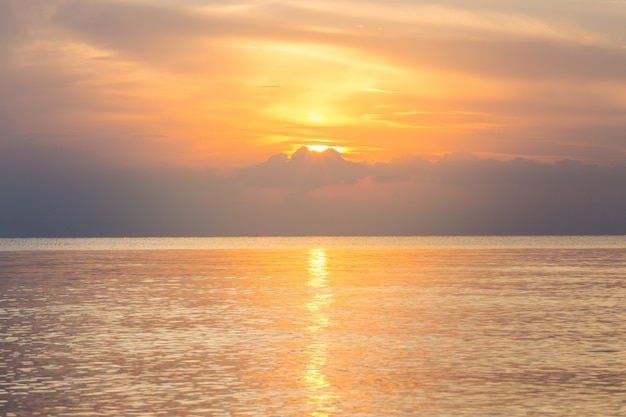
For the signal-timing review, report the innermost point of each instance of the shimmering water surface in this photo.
(313, 327)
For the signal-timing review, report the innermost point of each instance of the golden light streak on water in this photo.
(319, 391)
(317, 268)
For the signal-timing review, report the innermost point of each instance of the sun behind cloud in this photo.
(322, 148)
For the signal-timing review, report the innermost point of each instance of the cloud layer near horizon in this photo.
(51, 193)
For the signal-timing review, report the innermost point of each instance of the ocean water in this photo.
(320, 327)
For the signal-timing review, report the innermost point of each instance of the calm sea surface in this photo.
(313, 327)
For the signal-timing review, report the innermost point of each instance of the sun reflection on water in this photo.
(320, 395)
(318, 270)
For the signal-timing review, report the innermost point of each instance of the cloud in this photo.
(305, 170)
(444, 19)
(164, 33)
(59, 191)
(56, 192)
(505, 58)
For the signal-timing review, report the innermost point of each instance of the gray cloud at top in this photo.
(148, 31)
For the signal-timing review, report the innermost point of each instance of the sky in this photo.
(285, 117)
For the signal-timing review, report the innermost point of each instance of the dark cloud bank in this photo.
(50, 192)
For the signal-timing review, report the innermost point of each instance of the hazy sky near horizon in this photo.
(163, 117)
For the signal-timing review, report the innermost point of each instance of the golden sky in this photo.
(229, 83)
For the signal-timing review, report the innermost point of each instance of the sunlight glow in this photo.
(322, 148)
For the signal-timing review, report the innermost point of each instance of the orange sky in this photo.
(229, 83)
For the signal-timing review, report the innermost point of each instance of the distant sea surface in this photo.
(320, 326)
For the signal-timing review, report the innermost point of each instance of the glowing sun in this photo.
(322, 148)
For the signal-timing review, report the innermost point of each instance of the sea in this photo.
(313, 326)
